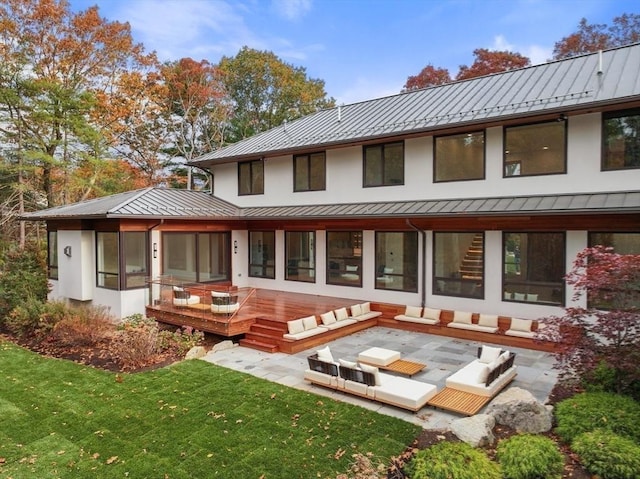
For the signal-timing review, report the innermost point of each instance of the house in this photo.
(475, 195)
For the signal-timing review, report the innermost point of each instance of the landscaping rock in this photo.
(520, 410)
(475, 430)
(196, 352)
(223, 345)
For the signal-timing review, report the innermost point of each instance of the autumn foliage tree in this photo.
(600, 342)
(593, 37)
(491, 61)
(428, 76)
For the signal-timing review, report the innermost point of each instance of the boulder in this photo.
(476, 431)
(196, 352)
(223, 345)
(520, 410)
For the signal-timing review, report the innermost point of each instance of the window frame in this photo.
(108, 274)
(384, 278)
(311, 269)
(268, 270)
(196, 238)
(383, 181)
(336, 275)
(122, 277)
(254, 189)
(505, 150)
(309, 159)
(53, 262)
(457, 282)
(461, 135)
(528, 284)
(610, 116)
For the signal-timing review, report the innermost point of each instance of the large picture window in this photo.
(534, 267)
(538, 149)
(121, 259)
(344, 258)
(384, 164)
(459, 157)
(108, 260)
(621, 140)
(397, 261)
(134, 244)
(301, 259)
(197, 257)
(52, 255)
(458, 264)
(262, 254)
(309, 172)
(251, 178)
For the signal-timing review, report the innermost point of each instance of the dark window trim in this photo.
(608, 116)
(251, 164)
(286, 256)
(434, 278)
(328, 270)
(484, 156)
(50, 265)
(120, 261)
(504, 147)
(250, 264)
(197, 234)
(324, 168)
(377, 266)
(364, 164)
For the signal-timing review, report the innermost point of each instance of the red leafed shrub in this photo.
(83, 327)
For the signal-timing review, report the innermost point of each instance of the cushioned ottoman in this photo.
(378, 356)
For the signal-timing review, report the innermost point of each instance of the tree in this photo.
(265, 92)
(487, 62)
(429, 76)
(604, 336)
(598, 36)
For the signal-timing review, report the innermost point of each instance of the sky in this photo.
(361, 49)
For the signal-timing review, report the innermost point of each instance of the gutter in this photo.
(423, 292)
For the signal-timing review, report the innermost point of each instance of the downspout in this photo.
(423, 292)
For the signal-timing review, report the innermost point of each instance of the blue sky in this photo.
(362, 49)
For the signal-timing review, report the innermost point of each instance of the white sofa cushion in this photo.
(489, 354)
(431, 313)
(523, 325)
(462, 317)
(356, 310)
(379, 356)
(403, 392)
(309, 322)
(373, 370)
(338, 324)
(348, 364)
(366, 307)
(324, 354)
(488, 320)
(413, 311)
(465, 380)
(341, 314)
(328, 318)
(295, 326)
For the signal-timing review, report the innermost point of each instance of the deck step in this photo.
(259, 345)
(266, 330)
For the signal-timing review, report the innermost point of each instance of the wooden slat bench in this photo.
(404, 366)
(459, 401)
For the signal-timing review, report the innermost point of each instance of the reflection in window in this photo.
(458, 264)
(52, 257)
(251, 178)
(459, 157)
(344, 258)
(309, 172)
(621, 140)
(397, 261)
(107, 260)
(534, 267)
(300, 256)
(538, 149)
(135, 258)
(384, 164)
(262, 254)
(198, 257)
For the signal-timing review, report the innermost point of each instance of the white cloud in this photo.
(292, 9)
(363, 89)
(500, 43)
(536, 53)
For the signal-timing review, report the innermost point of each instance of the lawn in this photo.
(194, 419)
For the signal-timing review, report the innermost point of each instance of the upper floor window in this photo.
(458, 264)
(459, 157)
(309, 172)
(52, 257)
(251, 177)
(538, 149)
(621, 140)
(384, 164)
(397, 260)
(262, 254)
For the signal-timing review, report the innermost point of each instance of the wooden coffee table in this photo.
(390, 360)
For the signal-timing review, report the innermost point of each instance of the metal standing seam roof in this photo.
(597, 78)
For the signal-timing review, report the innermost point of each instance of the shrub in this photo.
(586, 412)
(180, 340)
(135, 341)
(83, 326)
(527, 456)
(608, 455)
(35, 318)
(452, 460)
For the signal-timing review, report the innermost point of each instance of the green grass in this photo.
(194, 419)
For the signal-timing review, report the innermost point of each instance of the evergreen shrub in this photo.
(528, 456)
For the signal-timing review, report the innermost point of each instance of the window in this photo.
(108, 260)
(459, 157)
(621, 140)
(262, 254)
(309, 172)
(251, 178)
(397, 261)
(300, 252)
(538, 149)
(52, 256)
(384, 164)
(135, 258)
(199, 257)
(344, 258)
(534, 267)
(458, 264)
(622, 243)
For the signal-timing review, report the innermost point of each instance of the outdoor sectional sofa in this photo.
(487, 323)
(368, 382)
(416, 314)
(306, 327)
